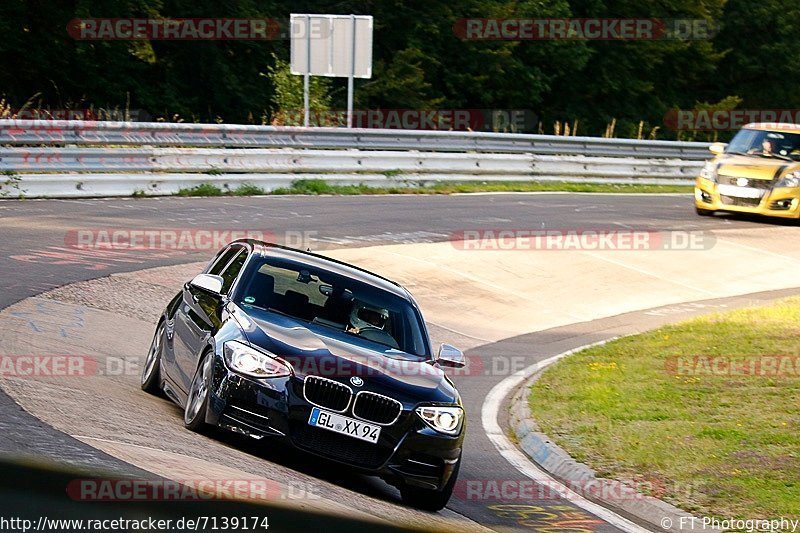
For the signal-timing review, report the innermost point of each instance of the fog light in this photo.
(782, 205)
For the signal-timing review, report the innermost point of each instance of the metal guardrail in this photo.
(72, 132)
(256, 160)
(73, 158)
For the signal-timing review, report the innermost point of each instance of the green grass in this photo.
(319, 186)
(209, 189)
(721, 445)
(204, 189)
(248, 189)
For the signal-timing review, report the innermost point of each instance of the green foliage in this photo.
(728, 103)
(632, 410)
(204, 189)
(11, 185)
(209, 189)
(248, 189)
(760, 63)
(318, 186)
(419, 63)
(287, 98)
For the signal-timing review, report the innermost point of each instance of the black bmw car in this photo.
(274, 342)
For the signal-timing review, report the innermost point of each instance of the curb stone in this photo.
(656, 514)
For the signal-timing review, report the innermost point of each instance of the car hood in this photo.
(314, 349)
(752, 167)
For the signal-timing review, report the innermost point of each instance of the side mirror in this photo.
(451, 356)
(717, 148)
(207, 282)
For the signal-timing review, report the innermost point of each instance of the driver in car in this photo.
(364, 316)
(767, 148)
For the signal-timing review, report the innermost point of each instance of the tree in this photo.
(288, 100)
(762, 68)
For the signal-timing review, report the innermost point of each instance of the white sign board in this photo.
(326, 44)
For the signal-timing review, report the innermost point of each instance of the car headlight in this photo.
(245, 360)
(709, 171)
(443, 419)
(792, 179)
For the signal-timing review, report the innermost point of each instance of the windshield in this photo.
(333, 301)
(764, 143)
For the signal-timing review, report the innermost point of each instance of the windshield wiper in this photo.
(284, 313)
(779, 156)
(761, 154)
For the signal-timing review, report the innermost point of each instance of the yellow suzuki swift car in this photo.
(758, 172)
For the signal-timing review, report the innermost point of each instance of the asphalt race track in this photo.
(35, 239)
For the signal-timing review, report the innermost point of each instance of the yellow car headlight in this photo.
(792, 179)
(709, 171)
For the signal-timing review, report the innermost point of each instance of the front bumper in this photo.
(781, 202)
(408, 451)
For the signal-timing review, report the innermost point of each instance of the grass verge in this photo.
(707, 412)
(209, 189)
(318, 186)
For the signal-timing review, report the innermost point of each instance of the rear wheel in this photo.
(704, 212)
(427, 499)
(151, 374)
(194, 415)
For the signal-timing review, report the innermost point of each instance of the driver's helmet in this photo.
(367, 316)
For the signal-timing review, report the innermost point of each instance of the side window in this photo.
(223, 259)
(232, 270)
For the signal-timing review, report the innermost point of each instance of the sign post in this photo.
(334, 46)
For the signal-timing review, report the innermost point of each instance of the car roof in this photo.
(270, 249)
(782, 127)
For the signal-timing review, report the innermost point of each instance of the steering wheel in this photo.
(378, 335)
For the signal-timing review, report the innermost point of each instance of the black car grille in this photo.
(339, 447)
(755, 183)
(376, 408)
(327, 393)
(741, 202)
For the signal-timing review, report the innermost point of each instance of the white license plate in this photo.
(740, 192)
(344, 425)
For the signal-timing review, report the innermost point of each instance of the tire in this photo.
(194, 413)
(704, 212)
(151, 373)
(427, 499)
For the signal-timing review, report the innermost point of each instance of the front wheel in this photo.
(427, 499)
(151, 374)
(194, 415)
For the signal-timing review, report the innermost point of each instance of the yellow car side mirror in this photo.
(717, 148)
